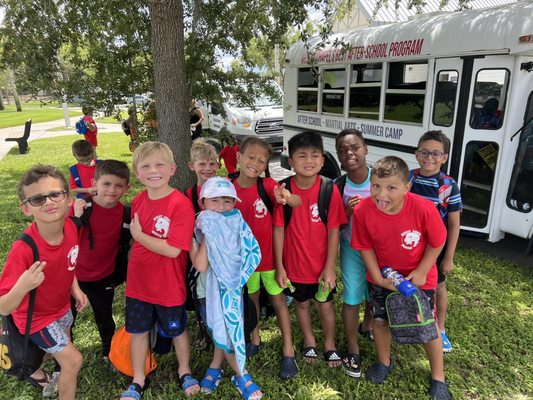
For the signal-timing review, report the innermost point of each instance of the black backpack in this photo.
(124, 243)
(324, 199)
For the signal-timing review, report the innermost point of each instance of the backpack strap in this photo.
(264, 196)
(287, 210)
(31, 304)
(125, 234)
(85, 219)
(341, 183)
(324, 198)
(76, 175)
(194, 199)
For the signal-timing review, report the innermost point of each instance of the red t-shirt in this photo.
(188, 193)
(229, 154)
(52, 300)
(399, 240)
(99, 262)
(86, 173)
(255, 213)
(152, 277)
(90, 136)
(305, 247)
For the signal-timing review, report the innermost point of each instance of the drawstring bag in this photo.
(411, 319)
(120, 356)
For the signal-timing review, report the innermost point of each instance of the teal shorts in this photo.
(269, 282)
(353, 275)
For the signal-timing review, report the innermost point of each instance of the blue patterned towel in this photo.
(233, 254)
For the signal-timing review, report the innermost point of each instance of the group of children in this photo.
(246, 232)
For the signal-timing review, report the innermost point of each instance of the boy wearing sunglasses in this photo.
(431, 183)
(43, 194)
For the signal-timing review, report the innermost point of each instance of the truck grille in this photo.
(269, 126)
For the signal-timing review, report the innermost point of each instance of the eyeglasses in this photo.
(39, 200)
(437, 155)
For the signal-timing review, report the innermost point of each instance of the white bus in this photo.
(469, 74)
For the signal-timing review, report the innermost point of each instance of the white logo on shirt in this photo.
(410, 239)
(315, 215)
(161, 226)
(72, 257)
(260, 209)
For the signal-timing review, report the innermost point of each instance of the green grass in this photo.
(38, 113)
(490, 324)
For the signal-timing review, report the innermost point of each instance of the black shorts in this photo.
(441, 277)
(306, 291)
(141, 316)
(378, 295)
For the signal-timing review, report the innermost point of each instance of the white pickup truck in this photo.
(265, 119)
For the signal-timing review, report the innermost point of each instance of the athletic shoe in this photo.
(351, 363)
(446, 344)
(50, 391)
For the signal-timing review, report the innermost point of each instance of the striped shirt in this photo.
(440, 188)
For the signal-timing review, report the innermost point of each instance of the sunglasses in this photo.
(39, 200)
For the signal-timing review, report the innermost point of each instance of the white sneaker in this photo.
(50, 391)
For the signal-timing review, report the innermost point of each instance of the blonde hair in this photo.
(201, 150)
(148, 148)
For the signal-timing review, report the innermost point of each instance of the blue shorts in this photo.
(53, 338)
(141, 316)
(353, 275)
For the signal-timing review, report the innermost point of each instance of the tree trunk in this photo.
(171, 85)
(12, 83)
(1, 101)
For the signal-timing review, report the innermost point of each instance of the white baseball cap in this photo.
(218, 187)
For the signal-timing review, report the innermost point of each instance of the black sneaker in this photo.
(351, 363)
(439, 390)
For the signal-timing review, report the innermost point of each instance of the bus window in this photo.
(334, 82)
(307, 90)
(365, 89)
(520, 195)
(488, 106)
(445, 98)
(476, 185)
(404, 97)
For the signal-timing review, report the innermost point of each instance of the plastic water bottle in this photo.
(403, 286)
(322, 293)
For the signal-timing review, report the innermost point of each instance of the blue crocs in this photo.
(289, 368)
(446, 344)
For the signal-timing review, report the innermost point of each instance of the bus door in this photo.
(516, 216)
(444, 110)
(479, 136)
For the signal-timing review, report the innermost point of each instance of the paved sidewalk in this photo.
(41, 131)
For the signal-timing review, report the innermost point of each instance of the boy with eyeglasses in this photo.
(43, 194)
(431, 183)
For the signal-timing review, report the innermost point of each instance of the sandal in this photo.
(378, 373)
(246, 391)
(134, 391)
(309, 354)
(39, 383)
(211, 380)
(252, 349)
(188, 381)
(331, 356)
(366, 334)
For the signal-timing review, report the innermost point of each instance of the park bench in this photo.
(23, 140)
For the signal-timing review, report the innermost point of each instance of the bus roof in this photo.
(474, 32)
